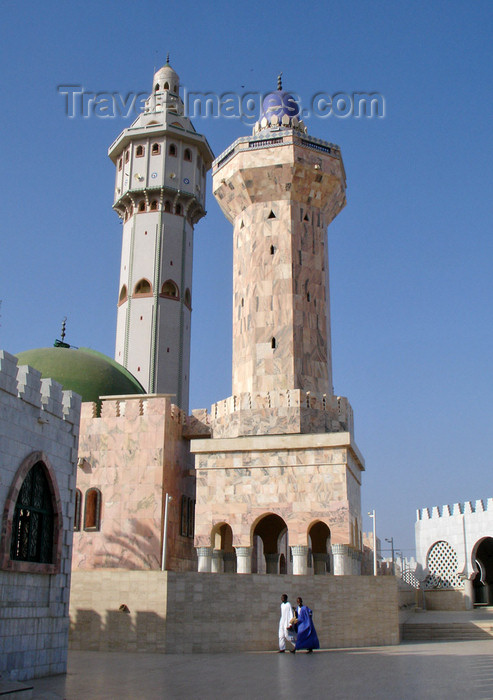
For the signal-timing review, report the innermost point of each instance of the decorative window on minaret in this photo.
(139, 152)
(187, 155)
(142, 288)
(156, 149)
(172, 150)
(170, 290)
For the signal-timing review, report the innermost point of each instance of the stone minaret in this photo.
(161, 164)
(281, 189)
(279, 479)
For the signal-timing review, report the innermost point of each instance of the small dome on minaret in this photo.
(166, 79)
(279, 108)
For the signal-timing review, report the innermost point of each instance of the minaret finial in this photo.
(167, 59)
(279, 81)
(64, 323)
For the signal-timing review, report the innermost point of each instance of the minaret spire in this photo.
(167, 59)
(279, 81)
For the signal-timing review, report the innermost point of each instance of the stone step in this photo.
(450, 631)
(17, 691)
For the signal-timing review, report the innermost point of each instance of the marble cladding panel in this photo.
(134, 454)
(298, 485)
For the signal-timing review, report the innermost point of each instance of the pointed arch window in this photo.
(178, 210)
(167, 206)
(154, 205)
(142, 206)
(156, 149)
(32, 524)
(188, 298)
(123, 295)
(139, 152)
(187, 155)
(92, 510)
(78, 510)
(169, 290)
(156, 87)
(273, 343)
(127, 156)
(33, 521)
(166, 86)
(172, 150)
(143, 288)
(175, 88)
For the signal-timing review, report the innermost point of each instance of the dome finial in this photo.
(279, 81)
(167, 59)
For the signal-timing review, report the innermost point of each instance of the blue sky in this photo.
(410, 255)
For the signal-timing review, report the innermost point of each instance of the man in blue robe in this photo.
(307, 635)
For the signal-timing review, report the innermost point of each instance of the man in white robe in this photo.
(286, 615)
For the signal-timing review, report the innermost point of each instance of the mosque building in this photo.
(269, 480)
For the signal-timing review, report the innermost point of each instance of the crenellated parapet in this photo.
(132, 406)
(448, 511)
(25, 382)
(272, 413)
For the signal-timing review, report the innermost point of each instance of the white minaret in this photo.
(161, 164)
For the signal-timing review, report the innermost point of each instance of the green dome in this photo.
(87, 372)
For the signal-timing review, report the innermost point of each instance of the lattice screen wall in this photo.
(442, 565)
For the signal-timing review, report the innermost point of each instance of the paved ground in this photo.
(412, 670)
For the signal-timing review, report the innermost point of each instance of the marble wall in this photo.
(134, 454)
(301, 478)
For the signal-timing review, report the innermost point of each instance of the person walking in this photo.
(307, 634)
(284, 622)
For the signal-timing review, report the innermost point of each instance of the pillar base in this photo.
(243, 560)
(300, 556)
(204, 559)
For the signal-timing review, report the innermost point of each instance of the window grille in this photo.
(32, 527)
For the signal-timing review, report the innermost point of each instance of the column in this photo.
(204, 556)
(272, 563)
(243, 560)
(300, 555)
(342, 559)
(469, 593)
(217, 561)
(356, 556)
(319, 563)
(229, 559)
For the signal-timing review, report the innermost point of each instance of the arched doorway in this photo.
(223, 552)
(270, 541)
(483, 581)
(319, 541)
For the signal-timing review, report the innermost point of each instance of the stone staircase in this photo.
(443, 626)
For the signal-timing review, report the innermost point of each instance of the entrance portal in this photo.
(483, 581)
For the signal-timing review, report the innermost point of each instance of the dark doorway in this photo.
(483, 581)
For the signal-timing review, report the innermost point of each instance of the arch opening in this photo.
(483, 581)
(269, 541)
(319, 542)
